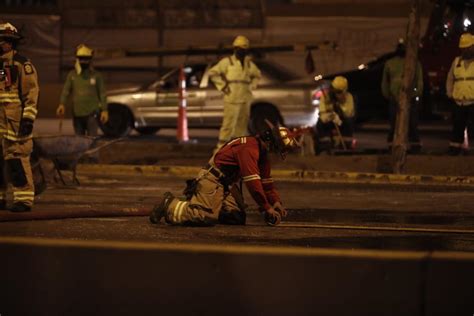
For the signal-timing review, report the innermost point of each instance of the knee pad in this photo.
(16, 172)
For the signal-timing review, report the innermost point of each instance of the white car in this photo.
(280, 97)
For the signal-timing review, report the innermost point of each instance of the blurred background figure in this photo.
(86, 87)
(19, 92)
(391, 84)
(236, 76)
(460, 88)
(336, 121)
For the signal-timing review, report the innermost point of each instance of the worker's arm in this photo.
(30, 91)
(269, 188)
(255, 76)
(217, 74)
(450, 79)
(247, 158)
(267, 182)
(347, 108)
(101, 92)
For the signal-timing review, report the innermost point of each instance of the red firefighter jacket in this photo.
(246, 158)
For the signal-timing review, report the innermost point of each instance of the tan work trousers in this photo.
(207, 206)
(15, 165)
(235, 121)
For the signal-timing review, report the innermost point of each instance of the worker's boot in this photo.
(20, 207)
(159, 211)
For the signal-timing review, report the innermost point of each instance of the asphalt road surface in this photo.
(354, 216)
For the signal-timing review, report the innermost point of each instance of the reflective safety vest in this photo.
(326, 107)
(234, 79)
(463, 88)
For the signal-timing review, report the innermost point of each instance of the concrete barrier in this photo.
(57, 277)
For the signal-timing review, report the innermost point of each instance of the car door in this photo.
(167, 98)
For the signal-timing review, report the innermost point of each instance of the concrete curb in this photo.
(285, 174)
(137, 278)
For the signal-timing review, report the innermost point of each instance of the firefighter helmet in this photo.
(7, 30)
(340, 83)
(280, 138)
(466, 40)
(241, 42)
(82, 51)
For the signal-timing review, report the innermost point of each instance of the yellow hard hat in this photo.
(83, 51)
(340, 83)
(7, 30)
(242, 42)
(466, 40)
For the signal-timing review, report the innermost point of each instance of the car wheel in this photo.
(258, 115)
(147, 130)
(119, 123)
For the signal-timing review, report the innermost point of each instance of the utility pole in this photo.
(399, 148)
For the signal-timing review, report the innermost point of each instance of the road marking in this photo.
(387, 228)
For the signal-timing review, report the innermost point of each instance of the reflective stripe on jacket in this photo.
(463, 86)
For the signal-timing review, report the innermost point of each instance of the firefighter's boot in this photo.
(159, 211)
(20, 207)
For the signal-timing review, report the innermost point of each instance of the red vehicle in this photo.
(439, 47)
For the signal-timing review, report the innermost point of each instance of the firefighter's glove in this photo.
(337, 120)
(26, 127)
(272, 217)
(104, 117)
(60, 110)
(280, 209)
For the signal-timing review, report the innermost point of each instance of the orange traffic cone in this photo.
(182, 130)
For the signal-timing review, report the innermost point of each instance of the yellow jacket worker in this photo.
(18, 108)
(236, 76)
(460, 88)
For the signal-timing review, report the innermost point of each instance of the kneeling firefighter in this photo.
(18, 108)
(215, 197)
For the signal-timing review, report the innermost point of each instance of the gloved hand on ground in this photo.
(272, 217)
(280, 209)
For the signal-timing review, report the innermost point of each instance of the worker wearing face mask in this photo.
(236, 76)
(86, 87)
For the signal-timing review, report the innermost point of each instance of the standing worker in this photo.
(214, 196)
(391, 85)
(87, 88)
(336, 110)
(236, 76)
(18, 108)
(460, 88)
